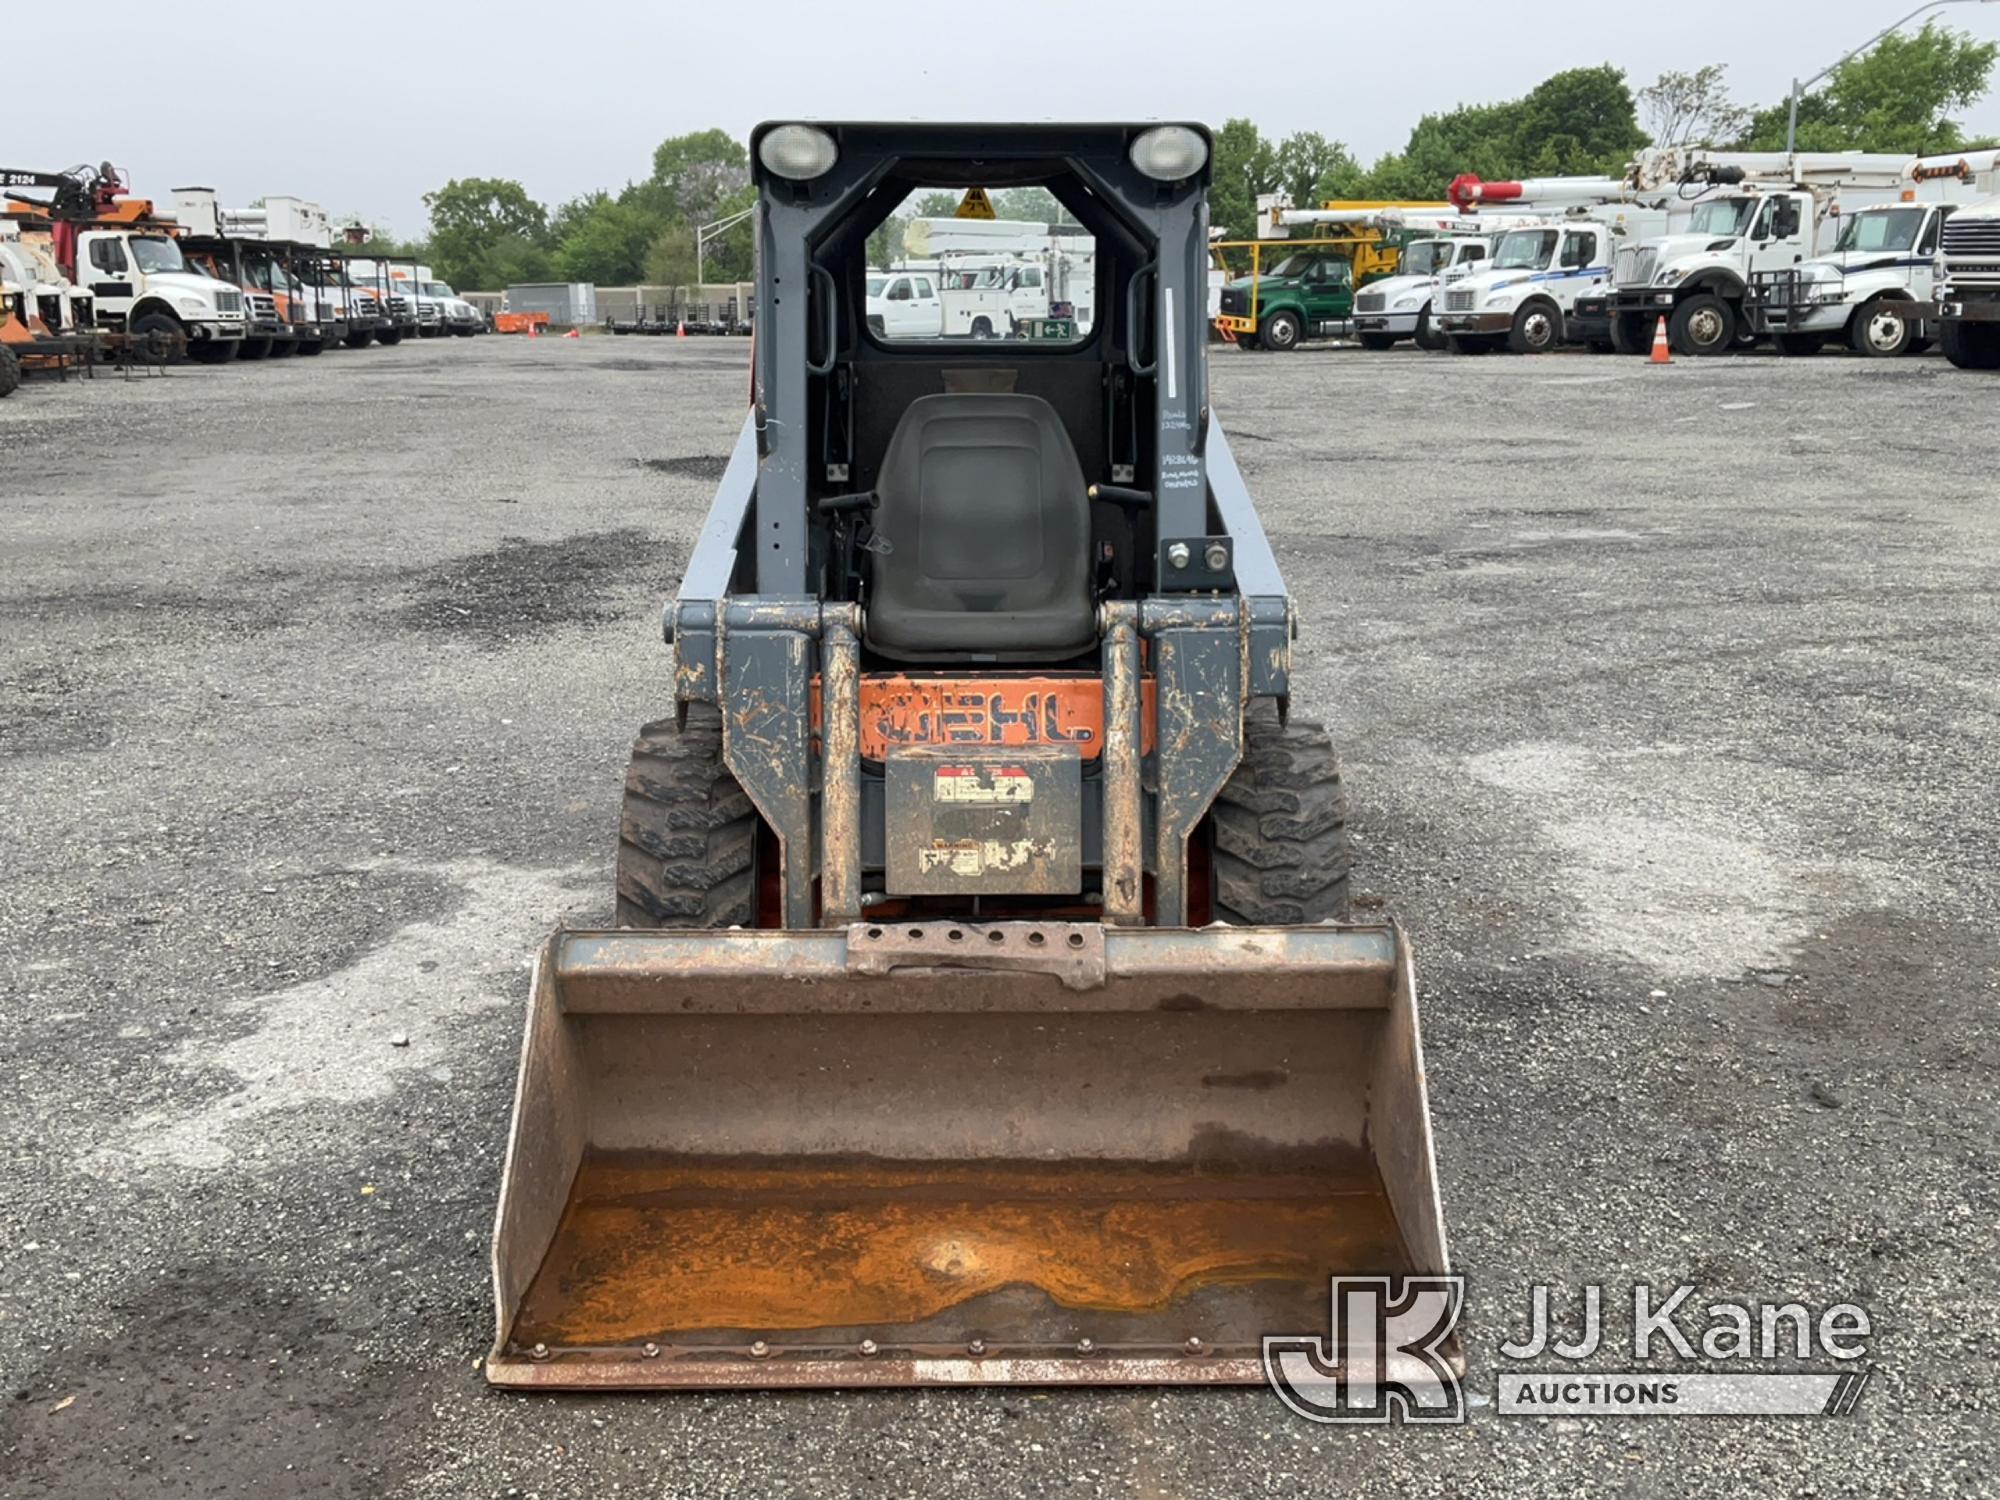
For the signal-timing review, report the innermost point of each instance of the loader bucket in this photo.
(1010, 1153)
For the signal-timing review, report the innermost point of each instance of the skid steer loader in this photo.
(983, 1006)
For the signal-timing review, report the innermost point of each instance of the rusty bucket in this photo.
(1017, 1152)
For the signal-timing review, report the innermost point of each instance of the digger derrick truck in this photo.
(1735, 214)
(985, 1007)
(1968, 301)
(128, 259)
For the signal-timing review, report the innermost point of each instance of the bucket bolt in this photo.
(867, 1347)
(758, 1349)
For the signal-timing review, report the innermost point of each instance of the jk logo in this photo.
(1387, 1359)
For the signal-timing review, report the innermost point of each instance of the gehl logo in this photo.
(1387, 1359)
(988, 719)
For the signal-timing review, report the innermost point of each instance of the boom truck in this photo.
(1309, 291)
(1968, 305)
(1405, 305)
(1734, 214)
(269, 253)
(128, 258)
(44, 319)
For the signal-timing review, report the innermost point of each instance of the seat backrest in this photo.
(982, 534)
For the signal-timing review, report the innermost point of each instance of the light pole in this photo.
(1792, 125)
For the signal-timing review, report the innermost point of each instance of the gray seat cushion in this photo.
(982, 534)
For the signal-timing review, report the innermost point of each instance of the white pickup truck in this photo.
(982, 301)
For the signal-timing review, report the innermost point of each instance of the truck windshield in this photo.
(154, 255)
(438, 289)
(1891, 229)
(1722, 216)
(1425, 258)
(1525, 250)
(1292, 265)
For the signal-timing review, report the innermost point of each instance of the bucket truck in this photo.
(1404, 305)
(129, 260)
(1968, 305)
(1309, 291)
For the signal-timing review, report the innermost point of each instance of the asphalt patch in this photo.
(523, 588)
(696, 466)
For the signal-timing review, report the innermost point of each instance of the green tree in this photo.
(1579, 121)
(670, 257)
(1306, 161)
(885, 241)
(487, 231)
(1897, 98)
(1692, 109)
(1246, 166)
(696, 175)
(602, 240)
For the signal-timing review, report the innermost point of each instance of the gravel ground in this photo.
(1669, 701)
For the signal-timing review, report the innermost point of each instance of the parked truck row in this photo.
(88, 269)
(1881, 254)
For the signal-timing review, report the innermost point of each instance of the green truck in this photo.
(1308, 294)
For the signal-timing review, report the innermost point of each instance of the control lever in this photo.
(1119, 494)
(837, 505)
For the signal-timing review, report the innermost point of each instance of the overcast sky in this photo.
(364, 108)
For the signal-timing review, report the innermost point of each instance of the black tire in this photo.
(1427, 336)
(360, 338)
(1469, 343)
(10, 371)
(1250, 341)
(1702, 325)
(1921, 346)
(1279, 828)
(254, 349)
(284, 348)
(1378, 341)
(389, 336)
(1632, 333)
(214, 351)
(1972, 346)
(1538, 328)
(161, 336)
(1280, 332)
(687, 842)
(309, 347)
(1798, 345)
(1874, 332)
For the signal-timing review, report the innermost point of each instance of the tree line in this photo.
(1900, 97)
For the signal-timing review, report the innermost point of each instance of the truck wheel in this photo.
(1279, 828)
(1798, 345)
(284, 348)
(1703, 324)
(162, 335)
(687, 841)
(388, 336)
(1249, 341)
(1538, 328)
(1468, 343)
(1378, 341)
(214, 351)
(1876, 332)
(361, 338)
(309, 347)
(1972, 346)
(1427, 335)
(254, 349)
(1280, 331)
(982, 328)
(10, 371)
(1632, 333)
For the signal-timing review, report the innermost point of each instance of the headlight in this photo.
(799, 152)
(1671, 275)
(1168, 153)
(192, 304)
(1414, 299)
(1500, 302)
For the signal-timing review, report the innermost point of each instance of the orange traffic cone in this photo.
(574, 333)
(534, 332)
(1663, 351)
(681, 329)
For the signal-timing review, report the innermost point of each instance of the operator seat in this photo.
(981, 545)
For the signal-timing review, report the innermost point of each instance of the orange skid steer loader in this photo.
(984, 1006)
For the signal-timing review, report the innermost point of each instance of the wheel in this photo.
(284, 348)
(10, 371)
(1467, 343)
(687, 841)
(1972, 346)
(1378, 341)
(214, 351)
(1632, 333)
(982, 328)
(308, 347)
(254, 349)
(463, 333)
(1428, 337)
(1280, 332)
(389, 336)
(1798, 345)
(1702, 324)
(1279, 828)
(1538, 328)
(1875, 332)
(1249, 341)
(360, 338)
(162, 335)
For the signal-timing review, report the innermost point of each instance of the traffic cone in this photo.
(1663, 351)
(681, 329)
(574, 333)
(534, 332)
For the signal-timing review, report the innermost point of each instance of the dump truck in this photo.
(984, 1004)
